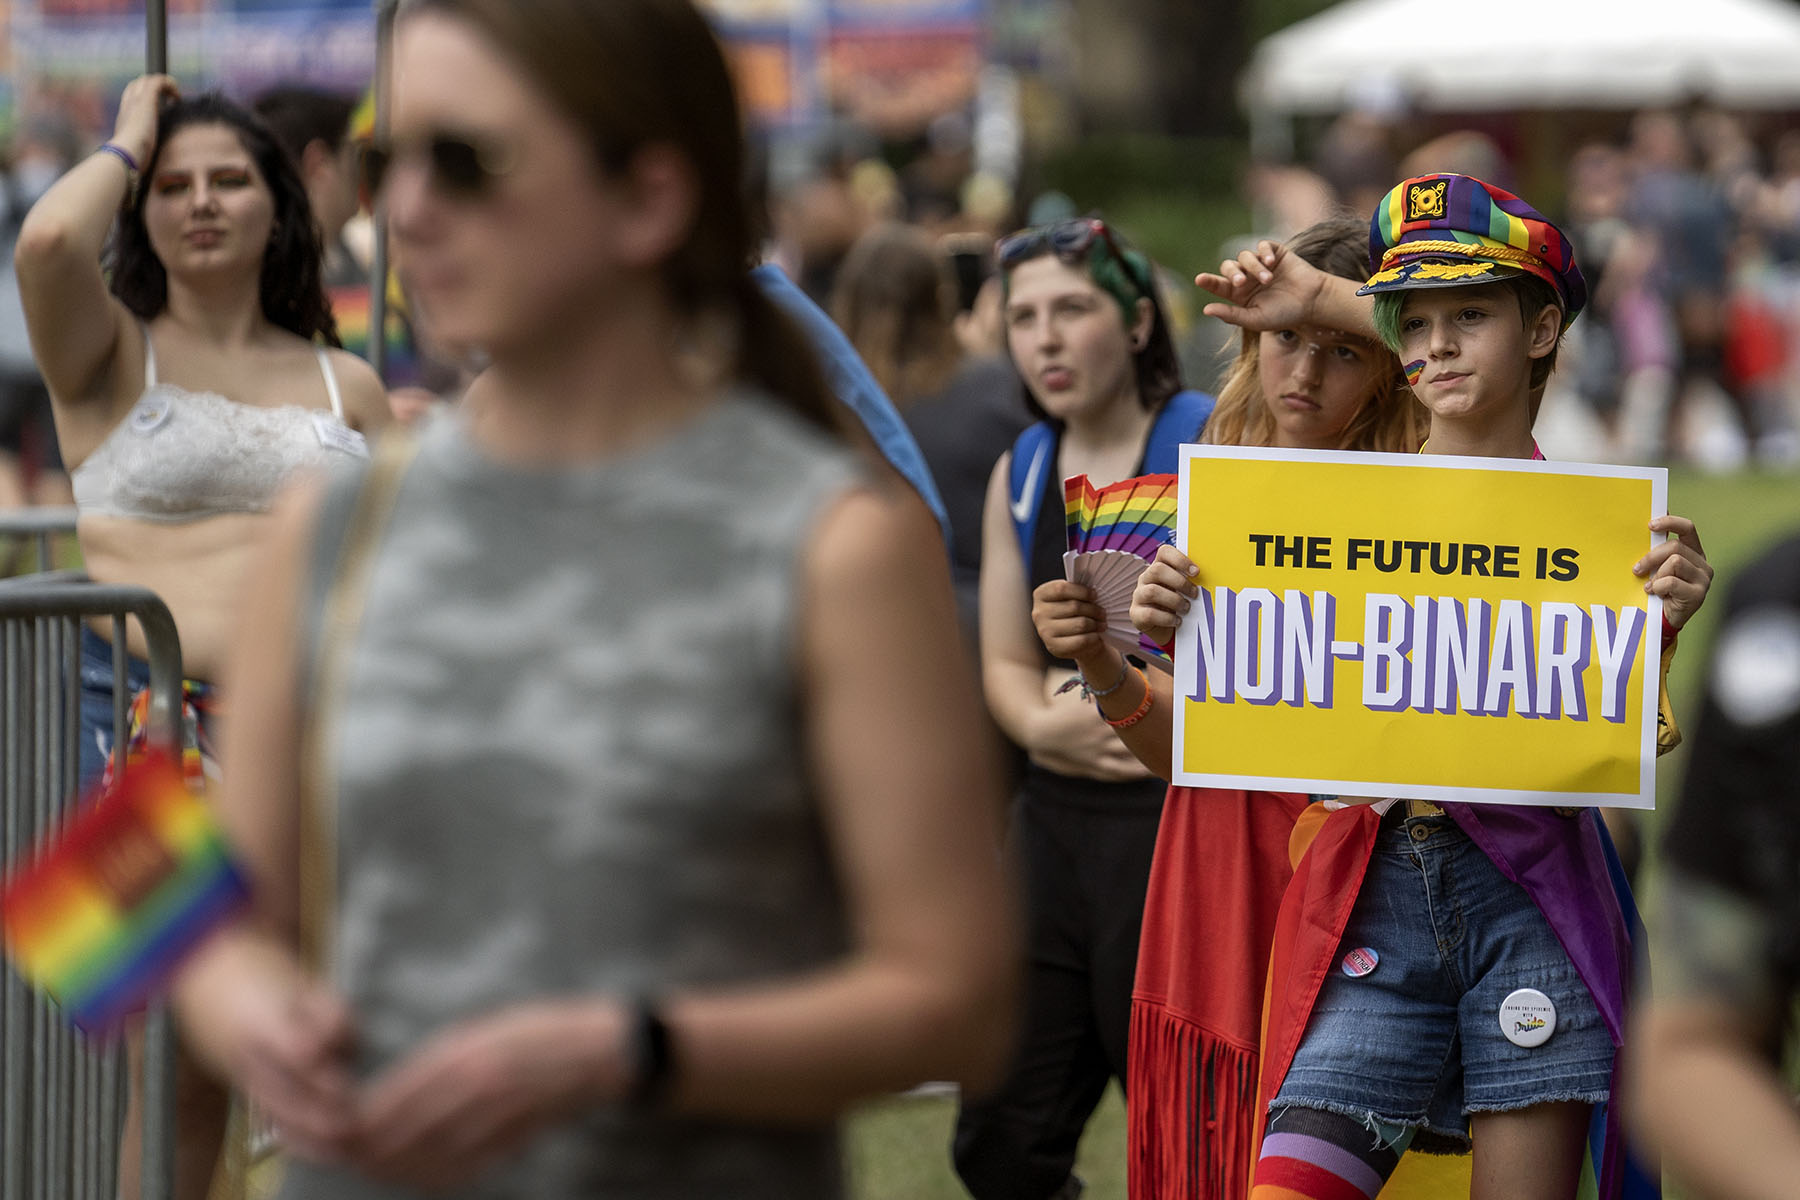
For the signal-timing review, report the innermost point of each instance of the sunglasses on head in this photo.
(459, 165)
(1070, 240)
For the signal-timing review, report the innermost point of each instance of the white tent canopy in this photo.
(1453, 55)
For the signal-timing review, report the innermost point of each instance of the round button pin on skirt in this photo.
(1360, 962)
(1527, 1018)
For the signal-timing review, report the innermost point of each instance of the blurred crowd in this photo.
(1688, 224)
(1688, 228)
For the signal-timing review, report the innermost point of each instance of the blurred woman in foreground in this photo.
(659, 833)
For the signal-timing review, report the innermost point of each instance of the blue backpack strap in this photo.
(1180, 420)
(1033, 456)
(855, 387)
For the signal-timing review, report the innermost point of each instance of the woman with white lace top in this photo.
(185, 381)
(188, 385)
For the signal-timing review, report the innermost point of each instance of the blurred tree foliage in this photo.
(1176, 197)
(1169, 66)
(1161, 146)
(1267, 16)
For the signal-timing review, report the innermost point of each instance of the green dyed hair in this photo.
(1387, 318)
(1124, 276)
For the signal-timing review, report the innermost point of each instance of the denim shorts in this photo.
(97, 700)
(1417, 1040)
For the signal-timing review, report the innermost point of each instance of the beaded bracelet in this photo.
(1125, 670)
(1139, 712)
(1088, 691)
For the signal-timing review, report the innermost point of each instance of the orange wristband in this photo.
(1138, 713)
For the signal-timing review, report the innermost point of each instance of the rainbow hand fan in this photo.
(1113, 534)
(101, 915)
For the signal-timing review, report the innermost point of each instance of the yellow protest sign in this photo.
(1418, 626)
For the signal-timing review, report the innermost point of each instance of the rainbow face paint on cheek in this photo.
(1413, 371)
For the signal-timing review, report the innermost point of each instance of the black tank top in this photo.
(1049, 541)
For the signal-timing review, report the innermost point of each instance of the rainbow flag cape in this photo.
(104, 911)
(1114, 532)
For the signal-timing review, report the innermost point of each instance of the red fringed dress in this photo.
(1216, 884)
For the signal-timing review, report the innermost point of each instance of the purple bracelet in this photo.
(122, 154)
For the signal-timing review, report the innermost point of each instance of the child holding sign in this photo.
(1196, 1006)
(1450, 971)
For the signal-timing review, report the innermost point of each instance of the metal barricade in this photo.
(40, 527)
(62, 1099)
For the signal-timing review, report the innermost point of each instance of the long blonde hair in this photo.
(1392, 419)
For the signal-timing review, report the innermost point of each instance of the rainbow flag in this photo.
(1113, 533)
(102, 913)
(1135, 516)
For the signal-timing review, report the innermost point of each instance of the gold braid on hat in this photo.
(1498, 253)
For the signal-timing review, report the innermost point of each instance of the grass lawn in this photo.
(1737, 516)
(899, 1149)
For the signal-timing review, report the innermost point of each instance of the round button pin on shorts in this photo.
(1527, 1018)
(1360, 962)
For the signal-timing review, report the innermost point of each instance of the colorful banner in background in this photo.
(241, 45)
(1418, 627)
(878, 61)
(797, 60)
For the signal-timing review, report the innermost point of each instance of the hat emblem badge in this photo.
(1425, 201)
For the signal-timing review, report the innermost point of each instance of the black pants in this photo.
(1086, 870)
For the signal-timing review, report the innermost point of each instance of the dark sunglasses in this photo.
(460, 166)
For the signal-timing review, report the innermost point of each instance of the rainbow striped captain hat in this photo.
(1453, 230)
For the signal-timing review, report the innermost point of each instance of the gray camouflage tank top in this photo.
(569, 763)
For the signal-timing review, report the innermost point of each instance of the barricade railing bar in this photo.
(38, 526)
(62, 1098)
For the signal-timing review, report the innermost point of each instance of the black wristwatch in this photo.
(651, 1055)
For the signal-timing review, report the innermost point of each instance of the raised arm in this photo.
(1268, 288)
(76, 326)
